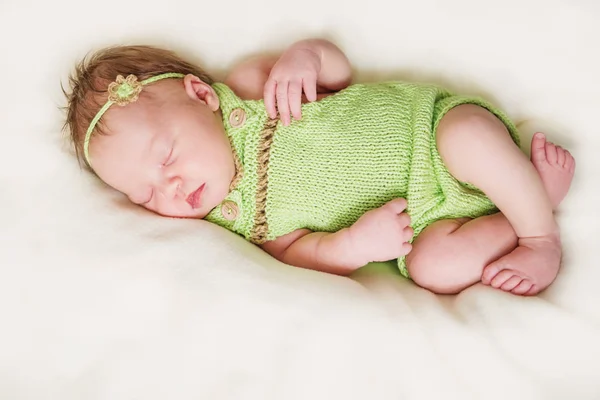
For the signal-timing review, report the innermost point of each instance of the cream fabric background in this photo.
(99, 300)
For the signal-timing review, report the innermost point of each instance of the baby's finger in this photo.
(269, 97)
(295, 98)
(403, 220)
(310, 88)
(408, 233)
(406, 248)
(396, 205)
(282, 102)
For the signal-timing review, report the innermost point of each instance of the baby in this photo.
(322, 173)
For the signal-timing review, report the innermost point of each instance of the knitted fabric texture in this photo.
(351, 152)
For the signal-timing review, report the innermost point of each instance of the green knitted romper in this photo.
(351, 152)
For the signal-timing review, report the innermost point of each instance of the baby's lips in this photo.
(194, 198)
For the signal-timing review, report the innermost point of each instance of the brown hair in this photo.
(90, 80)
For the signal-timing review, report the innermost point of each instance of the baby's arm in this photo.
(312, 65)
(302, 69)
(379, 235)
(321, 251)
(248, 78)
(335, 72)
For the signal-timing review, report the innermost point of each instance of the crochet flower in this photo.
(124, 90)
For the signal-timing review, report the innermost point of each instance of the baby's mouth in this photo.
(194, 198)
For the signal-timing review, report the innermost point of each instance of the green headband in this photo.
(121, 92)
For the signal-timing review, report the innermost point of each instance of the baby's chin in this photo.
(195, 214)
(191, 214)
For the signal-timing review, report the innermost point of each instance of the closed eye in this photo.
(169, 159)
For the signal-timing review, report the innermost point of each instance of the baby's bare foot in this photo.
(555, 165)
(534, 264)
(528, 269)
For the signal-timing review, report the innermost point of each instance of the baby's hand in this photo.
(382, 234)
(295, 71)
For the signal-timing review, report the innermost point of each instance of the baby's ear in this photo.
(197, 89)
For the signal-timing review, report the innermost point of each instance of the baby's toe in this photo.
(490, 271)
(551, 155)
(538, 147)
(560, 156)
(501, 278)
(511, 283)
(570, 162)
(533, 291)
(523, 287)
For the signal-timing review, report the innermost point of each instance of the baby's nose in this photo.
(173, 187)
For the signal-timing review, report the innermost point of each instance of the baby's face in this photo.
(169, 153)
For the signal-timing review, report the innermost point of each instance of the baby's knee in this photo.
(465, 123)
(465, 136)
(433, 269)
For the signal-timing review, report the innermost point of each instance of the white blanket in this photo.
(101, 300)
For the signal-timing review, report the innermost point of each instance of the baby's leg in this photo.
(477, 148)
(450, 255)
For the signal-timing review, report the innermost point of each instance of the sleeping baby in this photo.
(323, 173)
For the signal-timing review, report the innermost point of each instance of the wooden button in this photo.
(237, 117)
(229, 210)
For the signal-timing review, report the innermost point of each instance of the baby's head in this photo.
(164, 148)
